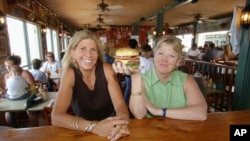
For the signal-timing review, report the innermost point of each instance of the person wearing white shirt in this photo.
(193, 52)
(16, 85)
(52, 67)
(146, 59)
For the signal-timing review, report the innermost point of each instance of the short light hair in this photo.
(68, 61)
(171, 41)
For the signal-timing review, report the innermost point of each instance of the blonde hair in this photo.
(68, 61)
(171, 41)
(228, 52)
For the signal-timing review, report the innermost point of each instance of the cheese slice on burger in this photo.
(128, 56)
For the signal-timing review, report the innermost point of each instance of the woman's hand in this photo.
(123, 69)
(120, 130)
(112, 127)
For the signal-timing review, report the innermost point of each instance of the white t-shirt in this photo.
(16, 86)
(145, 64)
(195, 52)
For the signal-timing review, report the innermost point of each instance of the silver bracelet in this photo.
(90, 127)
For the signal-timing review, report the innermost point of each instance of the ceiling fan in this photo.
(200, 19)
(96, 27)
(103, 6)
(100, 19)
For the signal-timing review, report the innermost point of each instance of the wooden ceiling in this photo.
(77, 13)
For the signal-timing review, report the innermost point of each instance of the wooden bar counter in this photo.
(215, 128)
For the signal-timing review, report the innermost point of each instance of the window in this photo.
(53, 42)
(186, 41)
(24, 40)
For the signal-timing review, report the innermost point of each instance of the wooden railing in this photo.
(222, 75)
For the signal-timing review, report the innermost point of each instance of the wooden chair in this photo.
(209, 101)
(47, 114)
(224, 78)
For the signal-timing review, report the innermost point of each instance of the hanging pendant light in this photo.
(245, 17)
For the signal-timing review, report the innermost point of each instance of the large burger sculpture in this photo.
(128, 56)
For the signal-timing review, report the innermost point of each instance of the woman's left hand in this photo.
(119, 130)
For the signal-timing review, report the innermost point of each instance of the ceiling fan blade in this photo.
(114, 7)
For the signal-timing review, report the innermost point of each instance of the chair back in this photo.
(201, 85)
(47, 114)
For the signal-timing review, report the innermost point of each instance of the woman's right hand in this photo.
(123, 69)
(111, 128)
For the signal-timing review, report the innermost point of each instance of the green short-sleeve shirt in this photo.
(169, 94)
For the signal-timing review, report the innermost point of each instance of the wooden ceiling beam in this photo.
(173, 4)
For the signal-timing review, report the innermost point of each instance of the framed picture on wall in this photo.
(3, 46)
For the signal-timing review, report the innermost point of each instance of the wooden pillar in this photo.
(194, 32)
(135, 29)
(159, 23)
(241, 97)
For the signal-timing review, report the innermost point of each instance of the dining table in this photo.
(7, 105)
(211, 91)
(55, 75)
(215, 128)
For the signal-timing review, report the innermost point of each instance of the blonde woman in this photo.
(90, 87)
(164, 90)
(228, 54)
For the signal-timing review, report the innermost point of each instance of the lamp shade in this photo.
(245, 17)
(2, 21)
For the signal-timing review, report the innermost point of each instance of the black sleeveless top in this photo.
(92, 104)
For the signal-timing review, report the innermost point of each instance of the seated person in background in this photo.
(146, 61)
(90, 87)
(132, 43)
(107, 57)
(211, 54)
(51, 67)
(16, 86)
(164, 90)
(227, 55)
(203, 49)
(193, 52)
(38, 75)
(10, 116)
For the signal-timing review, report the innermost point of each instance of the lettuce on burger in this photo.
(128, 56)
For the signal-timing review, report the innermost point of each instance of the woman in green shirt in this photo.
(164, 90)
